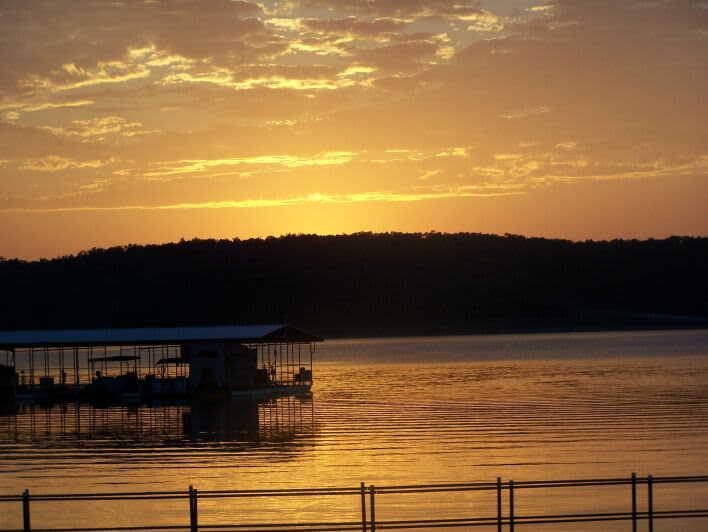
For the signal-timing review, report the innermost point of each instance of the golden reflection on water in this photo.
(394, 411)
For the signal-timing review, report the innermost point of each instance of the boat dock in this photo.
(148, 363)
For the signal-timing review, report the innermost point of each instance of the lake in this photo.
(391, 411)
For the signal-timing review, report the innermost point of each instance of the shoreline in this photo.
(702, 325)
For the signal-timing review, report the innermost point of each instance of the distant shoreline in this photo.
(700, 325)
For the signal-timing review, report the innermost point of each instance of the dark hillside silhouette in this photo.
(392, 283)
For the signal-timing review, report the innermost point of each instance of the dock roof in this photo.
(246, 334)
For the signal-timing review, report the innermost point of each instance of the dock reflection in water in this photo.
(68, 424)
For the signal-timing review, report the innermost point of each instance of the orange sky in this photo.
(150, 121)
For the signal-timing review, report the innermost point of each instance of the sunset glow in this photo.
(156, 120)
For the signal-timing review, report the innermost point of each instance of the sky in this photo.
(151, 121)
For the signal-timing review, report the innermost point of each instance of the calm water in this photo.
(392, 411)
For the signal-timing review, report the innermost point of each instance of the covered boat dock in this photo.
(141, 363)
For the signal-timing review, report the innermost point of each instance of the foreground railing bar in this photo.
(275, 526)
(384, 526)
(436, 523)
(617, 480)
(110, 494)
(109, 529)
(101, 496)
(492, 520)
(678, 480)
(435, 490)
(442, 485)
(139, 496)
(284, 490)
(291, 528)
(472, 486)
(356, 524)
(282, 494)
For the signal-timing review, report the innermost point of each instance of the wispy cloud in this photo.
(54, 163)
(531, 111)
(97, 128)
(289, 161)
(312, 198)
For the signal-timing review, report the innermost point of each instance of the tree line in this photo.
(367, 283)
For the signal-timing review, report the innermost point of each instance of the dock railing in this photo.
(372, 497)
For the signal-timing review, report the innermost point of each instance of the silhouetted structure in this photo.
(135, 363)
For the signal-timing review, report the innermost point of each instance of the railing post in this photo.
(650, 502)
(499, 504)
(196, 512)
(191, 507)
(372, 504)
(363, 507)
(634, 502)
(511, 506)
(26, 527)
(193, 516)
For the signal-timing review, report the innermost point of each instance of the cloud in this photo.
(286, 161)
(455, 9)
(354, 26)
(532, 111)
(31, 107)
(54, 163)
(97, 128)
(298, 78)
(311, 198)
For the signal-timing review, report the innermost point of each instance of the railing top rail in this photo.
(350, 489)
(383, 489)
(490, 484)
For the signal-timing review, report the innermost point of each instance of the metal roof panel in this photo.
(147, 336)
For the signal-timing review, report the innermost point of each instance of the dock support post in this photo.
(511, 506)
(363, 507)
(372, 493)
(193, 511)
(76, 371)
(650, 502)
(634, 502)
(26, 527)
(499, 504)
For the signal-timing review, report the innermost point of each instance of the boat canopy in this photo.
(245, 334)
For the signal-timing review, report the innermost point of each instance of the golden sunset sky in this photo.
(148, 121)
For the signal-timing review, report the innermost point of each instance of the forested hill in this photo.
(367, 283)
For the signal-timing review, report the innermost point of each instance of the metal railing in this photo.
(373, 495)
